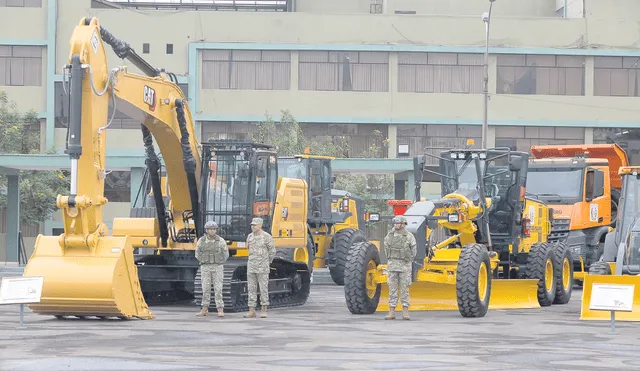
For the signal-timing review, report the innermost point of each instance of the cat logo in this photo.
(149, 98)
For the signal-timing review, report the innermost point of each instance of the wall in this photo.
(612, 10)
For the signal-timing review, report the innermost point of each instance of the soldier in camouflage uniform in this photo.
(400, 249)
(212, 252)
(262, 250)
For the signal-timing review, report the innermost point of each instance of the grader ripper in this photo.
(496, 255)
(88, 272)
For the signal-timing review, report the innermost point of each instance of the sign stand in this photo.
(21, 290)
(612, 298)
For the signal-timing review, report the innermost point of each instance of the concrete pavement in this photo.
(321, 335)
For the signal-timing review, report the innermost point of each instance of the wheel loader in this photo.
(496, 254)
(89, 272)
(581, 184)
(336, 217)
(619, 263)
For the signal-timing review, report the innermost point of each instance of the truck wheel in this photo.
(341, 243)
(564, 273)
(541, 266)
(473, 281)
(361, 293)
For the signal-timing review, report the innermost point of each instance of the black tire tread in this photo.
(561, 251)
(469, 304)
(601, 268)
(535, 268)
(341, 244)
(355, 287)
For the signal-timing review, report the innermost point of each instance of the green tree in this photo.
(289, 138)
(38, 189)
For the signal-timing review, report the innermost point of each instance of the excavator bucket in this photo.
(599, 315)
(428, 295)
(101, 282)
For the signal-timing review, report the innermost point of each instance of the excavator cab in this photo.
(239, 180)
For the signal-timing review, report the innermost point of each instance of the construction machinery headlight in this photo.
(483, 156)
(454, 218)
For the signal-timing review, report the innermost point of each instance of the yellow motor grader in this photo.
(495, 255)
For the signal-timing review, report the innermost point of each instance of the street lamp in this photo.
(486, 18)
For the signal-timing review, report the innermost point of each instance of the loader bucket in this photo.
(428, 295)
(81, 282)
(599, 315)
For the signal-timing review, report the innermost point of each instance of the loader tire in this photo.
(473, 281)
(341, 244)
(360, 299)
(564, 273)
(541, 266)
(600, 268)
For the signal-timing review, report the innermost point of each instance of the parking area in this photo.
(321, 335)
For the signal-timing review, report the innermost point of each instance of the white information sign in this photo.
(612, 298)
(21, 290)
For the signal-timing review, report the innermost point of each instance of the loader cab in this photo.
(316, 171)
(239, 180)
(495, 174)
(628, 228)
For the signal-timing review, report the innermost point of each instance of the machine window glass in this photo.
(556, 183)
(292, 168)
(327, 176)
(262, 180)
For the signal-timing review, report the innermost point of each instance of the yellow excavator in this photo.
(496, 253)
(619, 263)
(88, 272)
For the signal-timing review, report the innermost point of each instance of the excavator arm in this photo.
(87, 272)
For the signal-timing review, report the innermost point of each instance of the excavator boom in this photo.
(86, 271)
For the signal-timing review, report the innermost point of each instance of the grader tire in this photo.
(473, 281)
(564, 273)
(341, 244)
(359, 299)
(540, 255)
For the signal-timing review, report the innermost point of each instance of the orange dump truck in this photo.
(582, 186)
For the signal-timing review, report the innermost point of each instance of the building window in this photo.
(246, 69)
(21, 3)
(627, 138)
(616, 76)
(440, 73)
(540, 74)
(169, 48)
(20, 65)
(117, 186)
(431, 139)
(520, 138)
(326, 71)
(145, 48)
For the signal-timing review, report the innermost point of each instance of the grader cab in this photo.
(495, 254)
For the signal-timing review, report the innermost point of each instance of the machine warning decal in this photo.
(150, 98)
(95, 41)
(532, 214)
(593, 212)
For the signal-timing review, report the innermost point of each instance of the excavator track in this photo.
(289, 285)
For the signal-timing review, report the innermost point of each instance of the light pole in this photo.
(486, 18)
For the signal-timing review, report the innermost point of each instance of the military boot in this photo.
(405, 313)
(251, 314)
(263, 312)
(220, 312)
(203, 312)
(392, 314)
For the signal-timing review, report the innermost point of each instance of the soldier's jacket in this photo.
(212, 251)
(262, 250)
(400, 248)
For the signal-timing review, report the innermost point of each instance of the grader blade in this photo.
(81, 282)
(431, 296)
(600, 315)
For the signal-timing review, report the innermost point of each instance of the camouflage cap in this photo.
(399, 220)
(256, 221)
(211, 225)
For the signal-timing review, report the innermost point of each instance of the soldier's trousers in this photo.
(253, 280)
(402, 281)
(212, 273)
